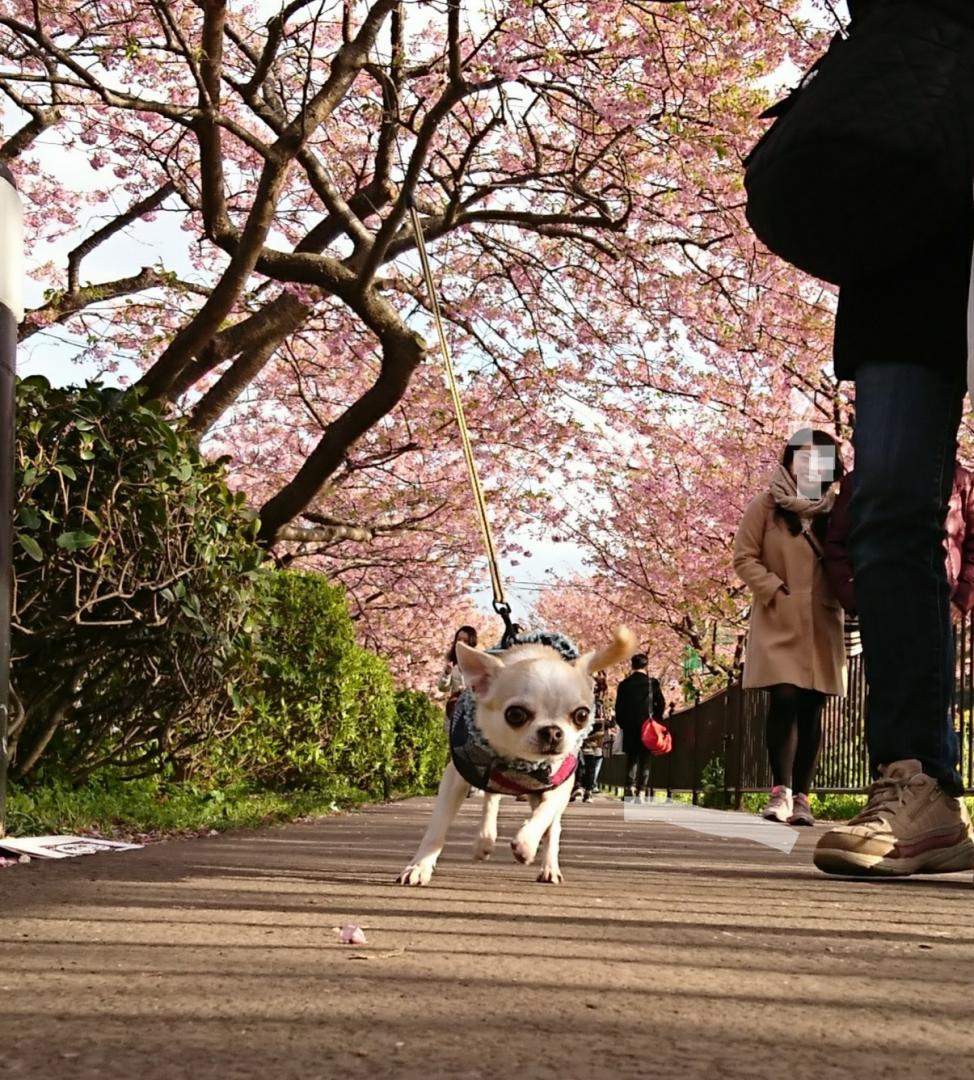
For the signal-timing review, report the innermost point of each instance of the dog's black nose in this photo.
(551, 737)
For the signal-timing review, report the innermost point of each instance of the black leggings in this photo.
(794, 735)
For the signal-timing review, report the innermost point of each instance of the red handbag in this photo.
(656, 737)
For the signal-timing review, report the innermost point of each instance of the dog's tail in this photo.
(622, 647)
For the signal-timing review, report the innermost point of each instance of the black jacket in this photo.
(916, 312)
(638, 697)
(959, 9)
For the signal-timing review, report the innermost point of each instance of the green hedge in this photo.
(420, 749)
(323, 712)
(136, 575)
(151, 638)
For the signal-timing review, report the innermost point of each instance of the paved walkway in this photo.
(665, 954)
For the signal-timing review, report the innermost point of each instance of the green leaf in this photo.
(28, 517)
(31, 546)
(76, 540)
(37, 382)
(66, 470)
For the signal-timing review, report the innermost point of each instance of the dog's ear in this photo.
(623, 645)
(479, 668)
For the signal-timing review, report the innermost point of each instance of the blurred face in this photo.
(814, 469)
(466, 637)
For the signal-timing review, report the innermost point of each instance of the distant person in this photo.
(451, 682)
(600, 693)
(451, 678)
(593, 748)
(638, 699)
(795, 645)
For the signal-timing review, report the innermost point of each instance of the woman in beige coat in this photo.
(795, 646)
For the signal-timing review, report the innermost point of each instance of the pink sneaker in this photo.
(779, 806)
(801, 812)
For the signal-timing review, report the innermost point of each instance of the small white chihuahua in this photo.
(517, 729)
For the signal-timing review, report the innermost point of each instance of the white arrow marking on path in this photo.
(726, 823)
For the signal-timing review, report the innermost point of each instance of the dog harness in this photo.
(480, 765)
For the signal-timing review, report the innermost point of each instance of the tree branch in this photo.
(62, 307)
(246, 250)
(399, 361)
(134, 212)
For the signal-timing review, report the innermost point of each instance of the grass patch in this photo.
(824, 807)
(152, 808)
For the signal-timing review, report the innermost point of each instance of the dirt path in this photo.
(665, 954)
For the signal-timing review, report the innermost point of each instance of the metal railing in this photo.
(720, 741)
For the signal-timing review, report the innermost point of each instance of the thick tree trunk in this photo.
(398, 364)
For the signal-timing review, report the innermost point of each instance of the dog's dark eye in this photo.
(516, 715)
(580, 717)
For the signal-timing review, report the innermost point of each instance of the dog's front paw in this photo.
(483, 847)
(524, 847)
(551, 874)
(417, 873)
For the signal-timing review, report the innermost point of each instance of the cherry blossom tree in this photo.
(575, 171)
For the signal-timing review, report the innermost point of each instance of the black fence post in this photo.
(694, 777)
(736, 691)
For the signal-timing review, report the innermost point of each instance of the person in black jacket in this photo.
(901, 334)
(638, 699)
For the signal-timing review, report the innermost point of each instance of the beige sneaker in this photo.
(908, 826)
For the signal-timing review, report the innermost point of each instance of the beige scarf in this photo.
(784, 491)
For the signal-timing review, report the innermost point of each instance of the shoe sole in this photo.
(774, 817)
(842, 863)
(801, 822)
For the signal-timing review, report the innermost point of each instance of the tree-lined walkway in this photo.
(665, 954)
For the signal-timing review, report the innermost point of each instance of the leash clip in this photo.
(511, 629)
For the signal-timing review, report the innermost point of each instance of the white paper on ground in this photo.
(61, 847)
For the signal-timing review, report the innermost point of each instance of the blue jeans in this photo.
(591, 767)
(907, 418)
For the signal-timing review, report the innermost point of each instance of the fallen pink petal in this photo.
(352, 935)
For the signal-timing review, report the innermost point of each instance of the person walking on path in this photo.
(903, 333)
(908, 410)
(795, 646)
(451, 682)
(593, 747)
(601, 692)
(451, 678)
(638, 699)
